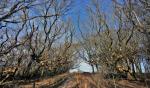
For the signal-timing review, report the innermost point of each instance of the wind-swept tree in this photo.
(31, 28)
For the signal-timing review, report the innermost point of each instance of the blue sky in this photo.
(79, 10)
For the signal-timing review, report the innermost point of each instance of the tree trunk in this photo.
(92, 68)
(128, 72)
(96, 67)
(133, 71)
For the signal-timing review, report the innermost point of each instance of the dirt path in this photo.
(81, 80)
(87, 80)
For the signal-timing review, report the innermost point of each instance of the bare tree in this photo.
(110, 47)
(31, 28)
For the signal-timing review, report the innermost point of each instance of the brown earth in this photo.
(79, 80)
